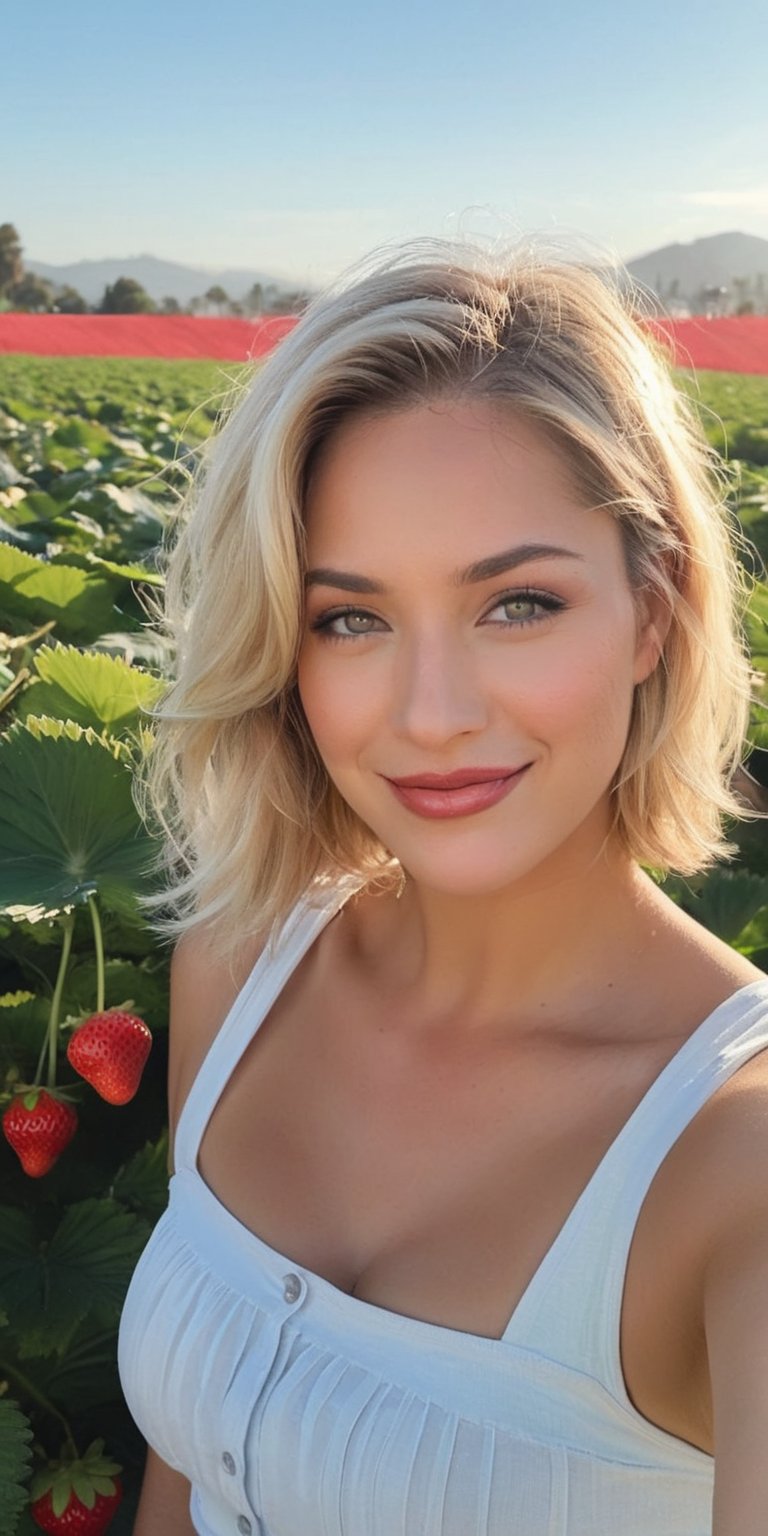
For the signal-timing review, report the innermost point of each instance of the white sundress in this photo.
(295, 1409)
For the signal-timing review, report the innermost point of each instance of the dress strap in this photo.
(571, 1311)
(275, 964)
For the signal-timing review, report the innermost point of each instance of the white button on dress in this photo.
(292, 1288)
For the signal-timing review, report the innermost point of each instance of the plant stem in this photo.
(99, 943)
(68, 924)
(29, 1390)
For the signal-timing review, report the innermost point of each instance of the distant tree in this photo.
(195, 304)
(126, 297)
(254, 300)
(742, 287)
(746, 307)
(31, 293)
(11, 264)
(284, 301)
(235, 307)
(68, 301)
(170, 306)
(711, 301)
(293, 301)
(218, 296)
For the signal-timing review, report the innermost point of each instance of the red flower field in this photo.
(734, 343)
(730, 344)
(141, 336)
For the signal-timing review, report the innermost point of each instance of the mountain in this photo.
(161, 279)
(711, 262)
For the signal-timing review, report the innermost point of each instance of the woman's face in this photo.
(435, 642)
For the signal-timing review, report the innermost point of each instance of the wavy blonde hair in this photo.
(248, 818)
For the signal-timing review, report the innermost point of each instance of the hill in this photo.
(713, 261)
(159, 278)
(680, 272)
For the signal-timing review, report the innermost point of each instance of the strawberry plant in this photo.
(92, 453)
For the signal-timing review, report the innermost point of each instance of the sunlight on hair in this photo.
(548, 325)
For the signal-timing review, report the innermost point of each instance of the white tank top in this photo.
(295, 1409)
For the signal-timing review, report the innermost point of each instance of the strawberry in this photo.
(109, 1050)
(39, 1125)
(77, 1495)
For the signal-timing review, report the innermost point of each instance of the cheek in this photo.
(339, 704)
(601, 709)
(583, 690)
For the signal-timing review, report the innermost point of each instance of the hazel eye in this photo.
(359, 623)
(540, 605)
(356, 621)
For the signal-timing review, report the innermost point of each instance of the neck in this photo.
(556, 945)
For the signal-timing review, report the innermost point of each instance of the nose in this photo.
(438, 693)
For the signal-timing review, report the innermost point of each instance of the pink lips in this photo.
(461, 793)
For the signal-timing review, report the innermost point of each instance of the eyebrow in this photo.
(481, 570)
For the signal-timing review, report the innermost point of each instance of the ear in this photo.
(654, 617)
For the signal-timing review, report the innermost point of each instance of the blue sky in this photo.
(293, 138)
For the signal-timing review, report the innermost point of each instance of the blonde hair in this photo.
(248, 818)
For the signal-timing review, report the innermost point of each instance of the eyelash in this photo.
(545, 600)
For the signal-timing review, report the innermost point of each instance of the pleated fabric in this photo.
(295, 1409)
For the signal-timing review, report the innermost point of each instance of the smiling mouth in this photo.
(458, 779)
(463, 793)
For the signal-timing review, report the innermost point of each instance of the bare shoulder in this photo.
(734, 1322)
(721, 1158)
(203, 988)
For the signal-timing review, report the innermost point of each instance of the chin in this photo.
(468, 865)
(464, 858)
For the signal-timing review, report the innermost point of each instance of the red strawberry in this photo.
(77, 1496)
(109, 1050)
(38, 1126)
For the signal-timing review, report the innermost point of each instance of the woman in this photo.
(468, 1228)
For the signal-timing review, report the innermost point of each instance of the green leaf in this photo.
(83, 1271)
(68, 822)
(728, 901)
(76, 433)
(23, 1026)
(143, 1181)
(128, 573)
(96, 690)
(85, 1376)
(42, 1318)
(33, 591)
(94, 1251)
(15, 1459)
(756, 624)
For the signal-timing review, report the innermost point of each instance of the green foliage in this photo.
(126, 297)
(89, 688)
(31, 293)
(11, 263)
(56, 845)
(94, 454)
(15, 1435)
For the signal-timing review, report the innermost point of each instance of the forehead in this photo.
(444, 476)
(432, 434)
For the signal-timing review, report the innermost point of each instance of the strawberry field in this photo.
(94, 454)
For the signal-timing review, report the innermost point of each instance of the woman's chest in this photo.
(434, 1184)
